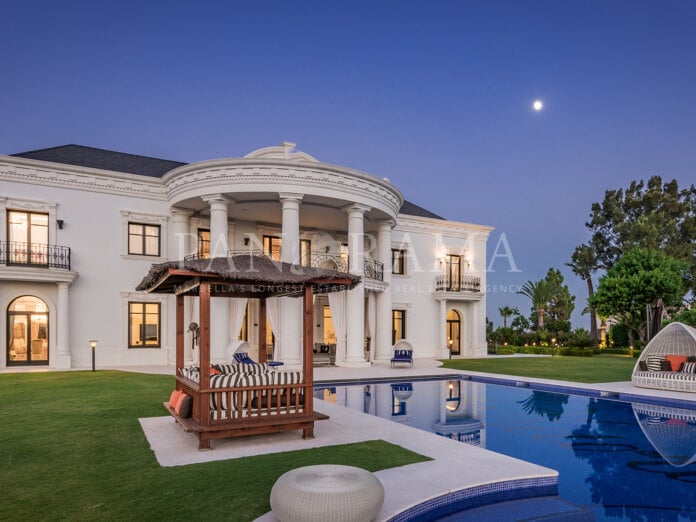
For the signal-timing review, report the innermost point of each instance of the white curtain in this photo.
(273, 314)
(371, 311)
(237, 309)
(337, 303)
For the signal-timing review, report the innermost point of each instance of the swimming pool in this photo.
(617, 460)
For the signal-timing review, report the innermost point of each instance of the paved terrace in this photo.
(455, 466)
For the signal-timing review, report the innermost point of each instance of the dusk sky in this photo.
(437, 96)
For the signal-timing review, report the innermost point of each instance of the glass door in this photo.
(453, 332)
(27, 332)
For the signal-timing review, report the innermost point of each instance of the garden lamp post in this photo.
(93, 345)
(553, 346)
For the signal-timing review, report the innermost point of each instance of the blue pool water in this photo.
(617, 460)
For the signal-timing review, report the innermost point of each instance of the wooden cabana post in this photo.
(237, 403)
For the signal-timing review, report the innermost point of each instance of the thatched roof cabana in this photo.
(262, 406)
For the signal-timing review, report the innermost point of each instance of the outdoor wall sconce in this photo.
(60, 222)
(93, 345)
(195, 330)
(246, 241)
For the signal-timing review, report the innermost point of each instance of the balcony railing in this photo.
(465, 283)
(374, 270)
(34, 255)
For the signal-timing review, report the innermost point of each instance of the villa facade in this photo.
(80, 227)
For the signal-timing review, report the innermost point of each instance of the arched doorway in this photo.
(453, 332)
(27, 331)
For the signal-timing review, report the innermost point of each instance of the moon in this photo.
(538, 105)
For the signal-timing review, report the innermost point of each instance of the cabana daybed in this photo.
(244, 399)
(668, 362)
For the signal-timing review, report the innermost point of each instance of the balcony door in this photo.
(453, 272)
(27, 235)
(27, 332)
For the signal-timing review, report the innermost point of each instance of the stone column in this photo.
(180, 246)
(218, 224)
(355, 305)
(442, 350)
(290, 348)
(219, 308)
(383, 327)
(63, 359)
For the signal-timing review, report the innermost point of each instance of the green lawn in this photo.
(599, 368)
(72, 448)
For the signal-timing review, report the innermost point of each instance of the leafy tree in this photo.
(652, 215)
(583, 263)
(639, 278)
(686, 317)
(561, 302)
(520, 324)
(505, 312)
(539, 292)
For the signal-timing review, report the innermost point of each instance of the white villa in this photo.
(80, 227)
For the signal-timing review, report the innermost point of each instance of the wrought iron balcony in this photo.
(374, 270)
(34, 255)
(465, 283)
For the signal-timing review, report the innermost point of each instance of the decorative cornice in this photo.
(449, 228)
(272, 174)
(37, 275)
(22, 170)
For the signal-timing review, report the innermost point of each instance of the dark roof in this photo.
(121, 162)
(411, 209)
(244, 275)
(103, 159)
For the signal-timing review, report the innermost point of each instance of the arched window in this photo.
(27, 331)
(454, 329)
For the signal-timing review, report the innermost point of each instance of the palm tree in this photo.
(505, 312)
(540, 294)
(583, 262)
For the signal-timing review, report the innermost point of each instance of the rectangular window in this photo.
(398, 325)
(143, 240)
(398, 261)
(27, 233)
(203, 243)
(143, 325)
(305, 252)
(271, 247)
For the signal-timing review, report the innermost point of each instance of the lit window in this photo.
(271, 247)
(28, 238)
(305, 252)
(398, 261)
(329, 331)
(143, 325)
(143, 240)
(398, 325)
(203, 243)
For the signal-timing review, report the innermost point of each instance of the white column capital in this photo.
(290, 197)
(180, 213)
(386, 226)
(356, 209)
(216, 201)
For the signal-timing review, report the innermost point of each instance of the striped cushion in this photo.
(689, 367)
(287, 377)
(654, 363)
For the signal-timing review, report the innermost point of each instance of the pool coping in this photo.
(494, 492)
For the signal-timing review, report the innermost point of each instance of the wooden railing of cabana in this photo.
(250, 405)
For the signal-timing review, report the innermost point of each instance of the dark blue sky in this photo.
(435, 96)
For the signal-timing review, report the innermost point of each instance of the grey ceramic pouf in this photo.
(327, 493)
